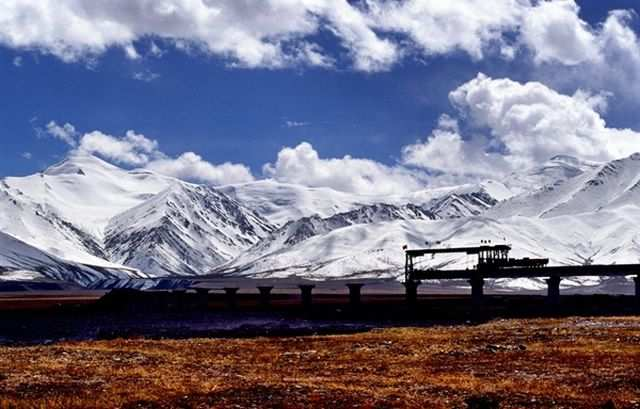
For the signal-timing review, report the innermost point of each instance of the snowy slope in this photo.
(610, 185)
(16, 255)
(373, 250)
(588, 215)
(281, 202)
(65, 209)
(85, 220)
(183, 230)
(42, 226)
(461, 203)
(297, 231)
(88, 191)
(556, 170)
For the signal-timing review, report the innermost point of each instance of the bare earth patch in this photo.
(542, 363)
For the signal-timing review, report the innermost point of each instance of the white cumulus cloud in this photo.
(66, 133)
(374, 34)
(517, 126)
(555, 33)
(191, 167)
(131, 149)
(302, 165)
(136, 150)
(440, 27)
(270, 33)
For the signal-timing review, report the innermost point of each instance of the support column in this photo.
(265, 296)
(202, 297)
(553, 289)
(411, 291)
(477, 290)
(305, 291)
(354, 294)
(636, 279)
(230, 295)
(178, 297)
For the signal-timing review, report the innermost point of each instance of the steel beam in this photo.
(522, 272)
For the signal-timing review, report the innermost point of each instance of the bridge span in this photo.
(494, 262)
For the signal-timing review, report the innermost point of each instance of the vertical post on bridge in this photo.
(354, 294)
(305, 292)
(202, 295)
(230, 295)
(477, 290)
(265, 296)
(553, 290)
(411, 291)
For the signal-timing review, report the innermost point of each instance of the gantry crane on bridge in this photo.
(494, 262)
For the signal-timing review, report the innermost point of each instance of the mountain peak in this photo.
(79, 162)
(568, 159)
(572, 161)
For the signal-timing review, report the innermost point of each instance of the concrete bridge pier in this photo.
(553, 290)
(411, 291)
(265, 296)
(179, 299)
(231, 297)
(477, 290)
(355, 293)
(305, 292)
(202, 295)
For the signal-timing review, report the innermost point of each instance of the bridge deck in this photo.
(522, 272)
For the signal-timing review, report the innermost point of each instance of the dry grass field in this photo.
(544, 363)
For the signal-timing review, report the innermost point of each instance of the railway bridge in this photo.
(494, 262)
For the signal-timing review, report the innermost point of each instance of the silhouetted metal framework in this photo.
(494, 262)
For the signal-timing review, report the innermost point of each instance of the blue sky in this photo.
(227, 105)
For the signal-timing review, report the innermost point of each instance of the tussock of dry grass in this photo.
(570, 363)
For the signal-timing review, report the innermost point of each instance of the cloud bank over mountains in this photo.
(137, 150)
(501, 126)
(496, 126)
(516, 126)
(303, 165)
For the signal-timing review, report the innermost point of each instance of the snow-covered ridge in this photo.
(608, 186)
(282, 202)
(16, 255)
(183, 230)
(86, 220)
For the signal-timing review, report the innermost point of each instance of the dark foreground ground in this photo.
(50, 317)
(177, 350)
(572, 362)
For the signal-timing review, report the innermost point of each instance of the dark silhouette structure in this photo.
(305, 293)
(355, 290)
(494, 262)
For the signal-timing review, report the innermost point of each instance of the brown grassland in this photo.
(563, 363)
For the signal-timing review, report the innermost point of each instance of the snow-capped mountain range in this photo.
(86, 220)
